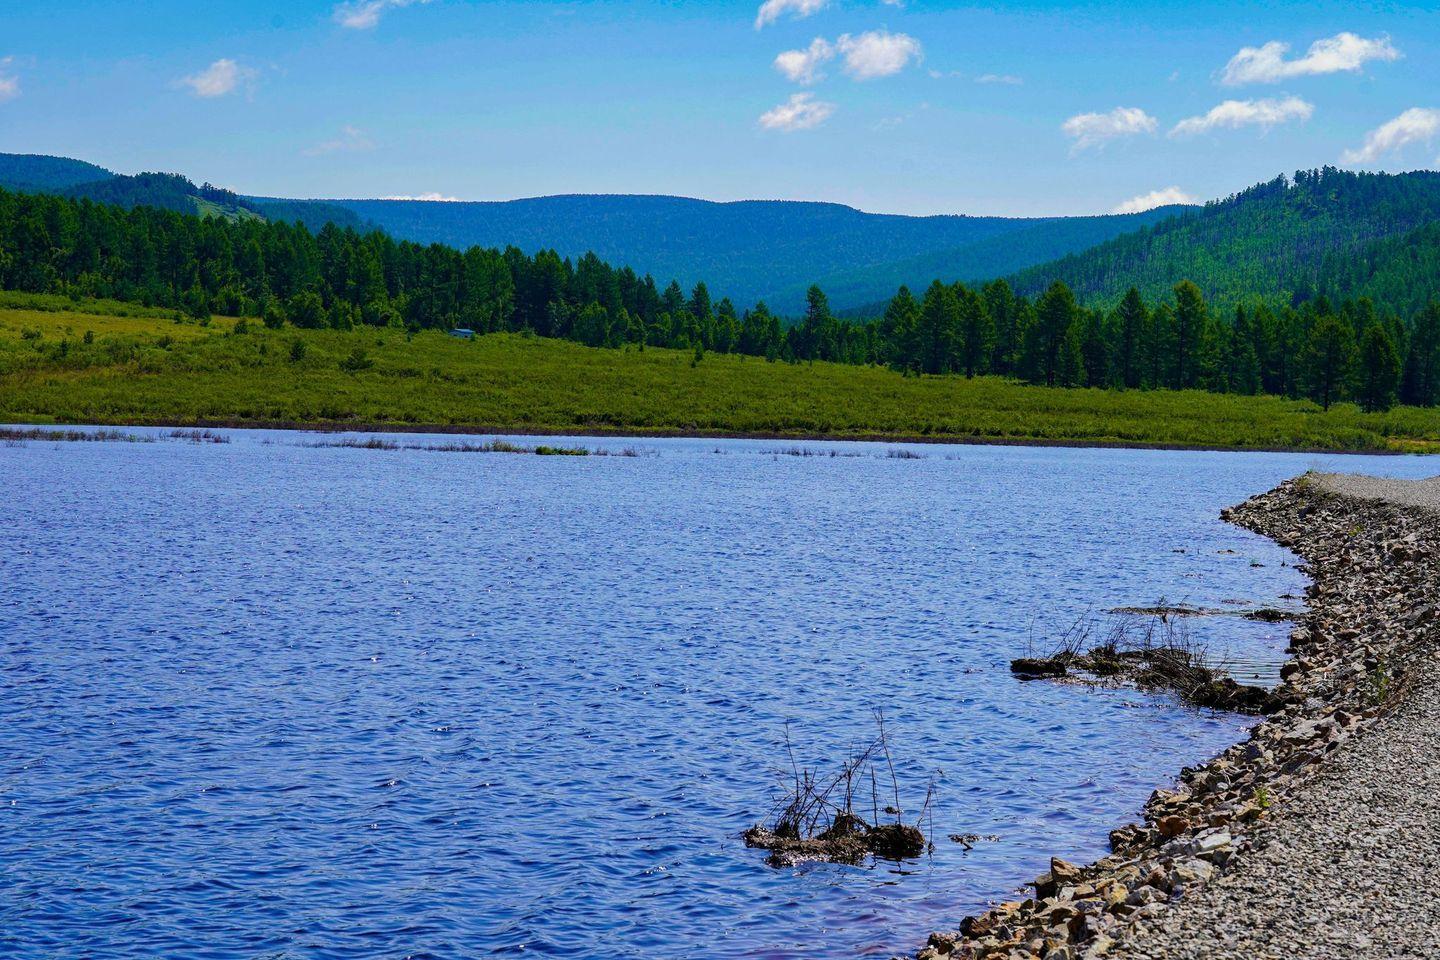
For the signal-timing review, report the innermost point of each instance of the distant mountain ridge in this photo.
(752, 250)
(34, 173)
(747, 250)
(37, 172)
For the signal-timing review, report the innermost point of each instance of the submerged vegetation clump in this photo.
(825, 817)
(1156, 654)
(15, 435)
(352, 443)
(465, 446)
(196, 436)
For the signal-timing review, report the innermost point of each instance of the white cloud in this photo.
(221, 77)
(801, 112)
(1155, 198)
(1246, 113)
(1097, 129)
(365, 14)
(1416, 125)
(9, 82)
(1008, 79)
(772, 10)
(877, 53)
(351, 140)
(803, 66)
(1342, 53)
(428, 197)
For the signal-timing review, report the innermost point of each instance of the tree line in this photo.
(339, 277)
(1322, 350)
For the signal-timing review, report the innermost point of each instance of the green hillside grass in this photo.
(148, 368)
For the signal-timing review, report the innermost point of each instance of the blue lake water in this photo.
(264, 699)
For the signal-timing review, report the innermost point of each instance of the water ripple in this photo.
(265, 700)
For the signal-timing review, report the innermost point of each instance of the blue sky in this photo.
(1019, 107)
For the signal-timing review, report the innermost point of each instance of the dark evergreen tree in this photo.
(1329, 354)
(1377, 371)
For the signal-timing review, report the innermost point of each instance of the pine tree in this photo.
(1190, 321)
(977, 332)
(1421, 385)
(1329, 356)
(899, 328)
(1130, 322)
(1377, 370)
(1054, 322)
(938, 334)
(1005, 313)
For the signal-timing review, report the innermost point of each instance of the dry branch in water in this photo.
(1158, 654)
(820, 817)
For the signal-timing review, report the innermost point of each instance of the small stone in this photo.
(942, 943)
(1064, 872)
(1146, 895)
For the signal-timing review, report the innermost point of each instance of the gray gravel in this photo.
(1413, 493)
(1350, 866)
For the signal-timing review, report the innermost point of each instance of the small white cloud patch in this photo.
(351, 140)
(803, 66)
(1097, 129)
(9, 82)
(366, 14)
(1246, 113)
(877, 53)
(772, 10)
(1416, 125)
(801, 112)
(427, 197)
(220, 78)
(1342, 53)
(1006, 79)
(1155, 198)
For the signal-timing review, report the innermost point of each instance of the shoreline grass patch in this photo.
(152, 370)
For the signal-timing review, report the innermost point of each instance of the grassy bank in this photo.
(68, 363)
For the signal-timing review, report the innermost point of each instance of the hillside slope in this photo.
(1402, 272)
(747, 250)
(754, 250)
(35, 172)
(1276, 240)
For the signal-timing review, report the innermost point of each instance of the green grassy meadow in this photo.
(108, 363)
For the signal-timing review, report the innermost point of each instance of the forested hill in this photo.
(1036, 242)
(1324, 231)
(767, 250)
(1402, 272)
(34, 172)
(76, 179)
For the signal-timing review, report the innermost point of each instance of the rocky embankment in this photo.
(1319, 835)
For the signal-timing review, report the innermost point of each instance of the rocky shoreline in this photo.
(1373, 614)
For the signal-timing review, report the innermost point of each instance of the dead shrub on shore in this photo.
(825, 817)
